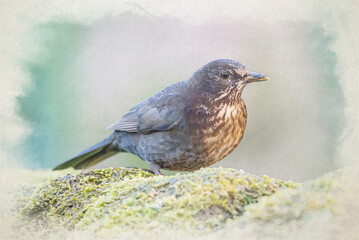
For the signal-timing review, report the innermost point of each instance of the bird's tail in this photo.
(91, 156)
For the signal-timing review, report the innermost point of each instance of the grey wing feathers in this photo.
(159, 113)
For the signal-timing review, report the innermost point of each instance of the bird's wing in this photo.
(161, 112)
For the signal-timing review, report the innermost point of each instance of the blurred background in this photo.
(80, 75)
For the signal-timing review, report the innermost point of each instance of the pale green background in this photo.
(79, 66)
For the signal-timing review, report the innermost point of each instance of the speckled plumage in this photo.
(186, 126)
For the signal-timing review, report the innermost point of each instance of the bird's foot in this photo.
(155, 168)
(143, 169)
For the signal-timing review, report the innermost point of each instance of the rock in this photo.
(132, 200)
(212, 203)
(323, 208)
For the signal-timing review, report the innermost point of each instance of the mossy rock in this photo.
(121, 199)
(323, 208)
(290, 205)
(62, 200)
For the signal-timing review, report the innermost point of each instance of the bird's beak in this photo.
(255, 77)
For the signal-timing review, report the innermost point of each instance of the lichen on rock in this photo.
(323, 208)
(292, 205)
(63, 200)
(121, 198)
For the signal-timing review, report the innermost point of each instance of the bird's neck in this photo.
(231, 96)
(200, 95)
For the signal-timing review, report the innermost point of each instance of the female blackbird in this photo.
(186, 126)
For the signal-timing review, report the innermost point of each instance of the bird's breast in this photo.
(218, 130)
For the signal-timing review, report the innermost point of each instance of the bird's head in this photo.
(224, 76)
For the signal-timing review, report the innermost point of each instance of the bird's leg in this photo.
(143, 169)
(155, 168)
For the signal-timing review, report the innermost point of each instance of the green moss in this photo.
(212, 203)
(120, 199)
(298, 204)
(63, 200)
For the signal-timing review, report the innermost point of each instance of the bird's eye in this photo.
(225, 75)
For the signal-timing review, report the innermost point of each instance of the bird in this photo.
(186, 126)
